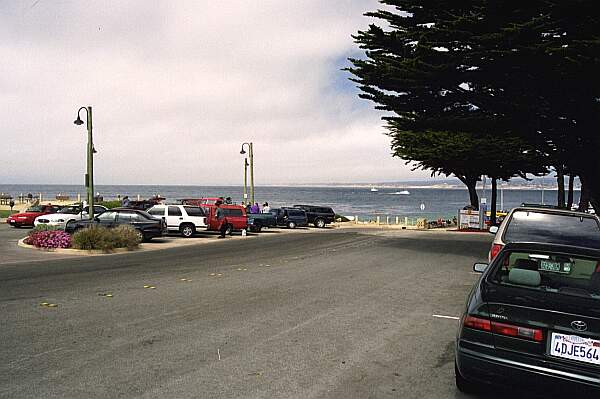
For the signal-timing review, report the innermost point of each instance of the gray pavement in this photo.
(330, 314)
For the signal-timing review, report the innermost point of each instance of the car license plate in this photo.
(556, 267)
(574, 347)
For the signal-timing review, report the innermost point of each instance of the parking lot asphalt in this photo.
(345, 313)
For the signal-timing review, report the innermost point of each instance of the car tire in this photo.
(320, 223)
(229, 230)
(463, 384)
(291, 225)
(187, 230)
(140, 235)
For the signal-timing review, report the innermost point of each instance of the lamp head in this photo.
(78, 121)
(94, 150)
(242, 152)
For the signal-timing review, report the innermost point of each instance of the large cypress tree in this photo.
(413, 70)
(503, 67)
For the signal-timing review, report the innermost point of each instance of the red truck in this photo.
(235, 216)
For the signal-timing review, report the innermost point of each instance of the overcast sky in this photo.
(177, 86)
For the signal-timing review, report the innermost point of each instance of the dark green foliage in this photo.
(500, 88)
(43, 227)
(106, 239)
(111, 204)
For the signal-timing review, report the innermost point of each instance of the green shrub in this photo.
(125, 236)
(111, 204)
(92, 238)
(99, 237)
(43, 227)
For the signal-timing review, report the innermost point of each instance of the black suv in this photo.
(319, 216)
(290, 217)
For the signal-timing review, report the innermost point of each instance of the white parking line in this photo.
(439, 316)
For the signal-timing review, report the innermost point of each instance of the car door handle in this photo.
(180, 218)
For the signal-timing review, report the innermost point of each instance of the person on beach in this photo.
(248, 208)
(255, 208)
(228, 201)
(125, 201)
(266, 208)
(221, 219)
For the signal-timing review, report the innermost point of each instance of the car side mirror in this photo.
(493, 229)
(480, 267)
(97, 219)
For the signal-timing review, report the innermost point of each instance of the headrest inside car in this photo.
(530, 278)
(526, 264)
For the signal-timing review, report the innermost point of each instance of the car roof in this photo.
(555, 248)
(554, 211)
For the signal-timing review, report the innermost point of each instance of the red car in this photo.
(26, 218)
(234, 214)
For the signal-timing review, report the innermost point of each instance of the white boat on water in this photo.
(403, 192)
(374, 190)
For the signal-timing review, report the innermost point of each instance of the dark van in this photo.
(319, 216)
(290, 217)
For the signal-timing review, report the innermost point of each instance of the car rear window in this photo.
(193, 211)
(550, 272)
(296, 213)
(553, 228)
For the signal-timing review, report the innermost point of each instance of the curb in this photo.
(72, 251)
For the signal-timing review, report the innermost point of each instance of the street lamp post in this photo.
(89, 177)
(251, 156)
(245, 180)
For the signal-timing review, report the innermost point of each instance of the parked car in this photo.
(185, 219)
(147, 226)
(256, 221)
(67, 214)
(290, 217)
(532, 321)
(235, 215)
(546, 225)
(27, 218)
(319, 216)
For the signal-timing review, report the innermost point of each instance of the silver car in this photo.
(545, 225)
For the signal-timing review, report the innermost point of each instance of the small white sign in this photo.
(422, 207)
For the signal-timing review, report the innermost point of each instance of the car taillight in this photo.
(494, 251)
(504, 329)
(516, 331)
(477, 323)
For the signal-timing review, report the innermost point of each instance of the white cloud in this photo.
(176, 88)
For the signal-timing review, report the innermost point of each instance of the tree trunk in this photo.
(570, 192)
(584, 197)
(590, 180)
(560, 179)
(493, 205)
(471, 183)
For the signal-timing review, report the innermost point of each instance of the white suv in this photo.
(185, 219)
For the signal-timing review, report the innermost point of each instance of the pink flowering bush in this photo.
(49, 239)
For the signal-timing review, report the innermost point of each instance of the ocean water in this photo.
(348, 201)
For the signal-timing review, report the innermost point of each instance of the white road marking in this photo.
(439, 316)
